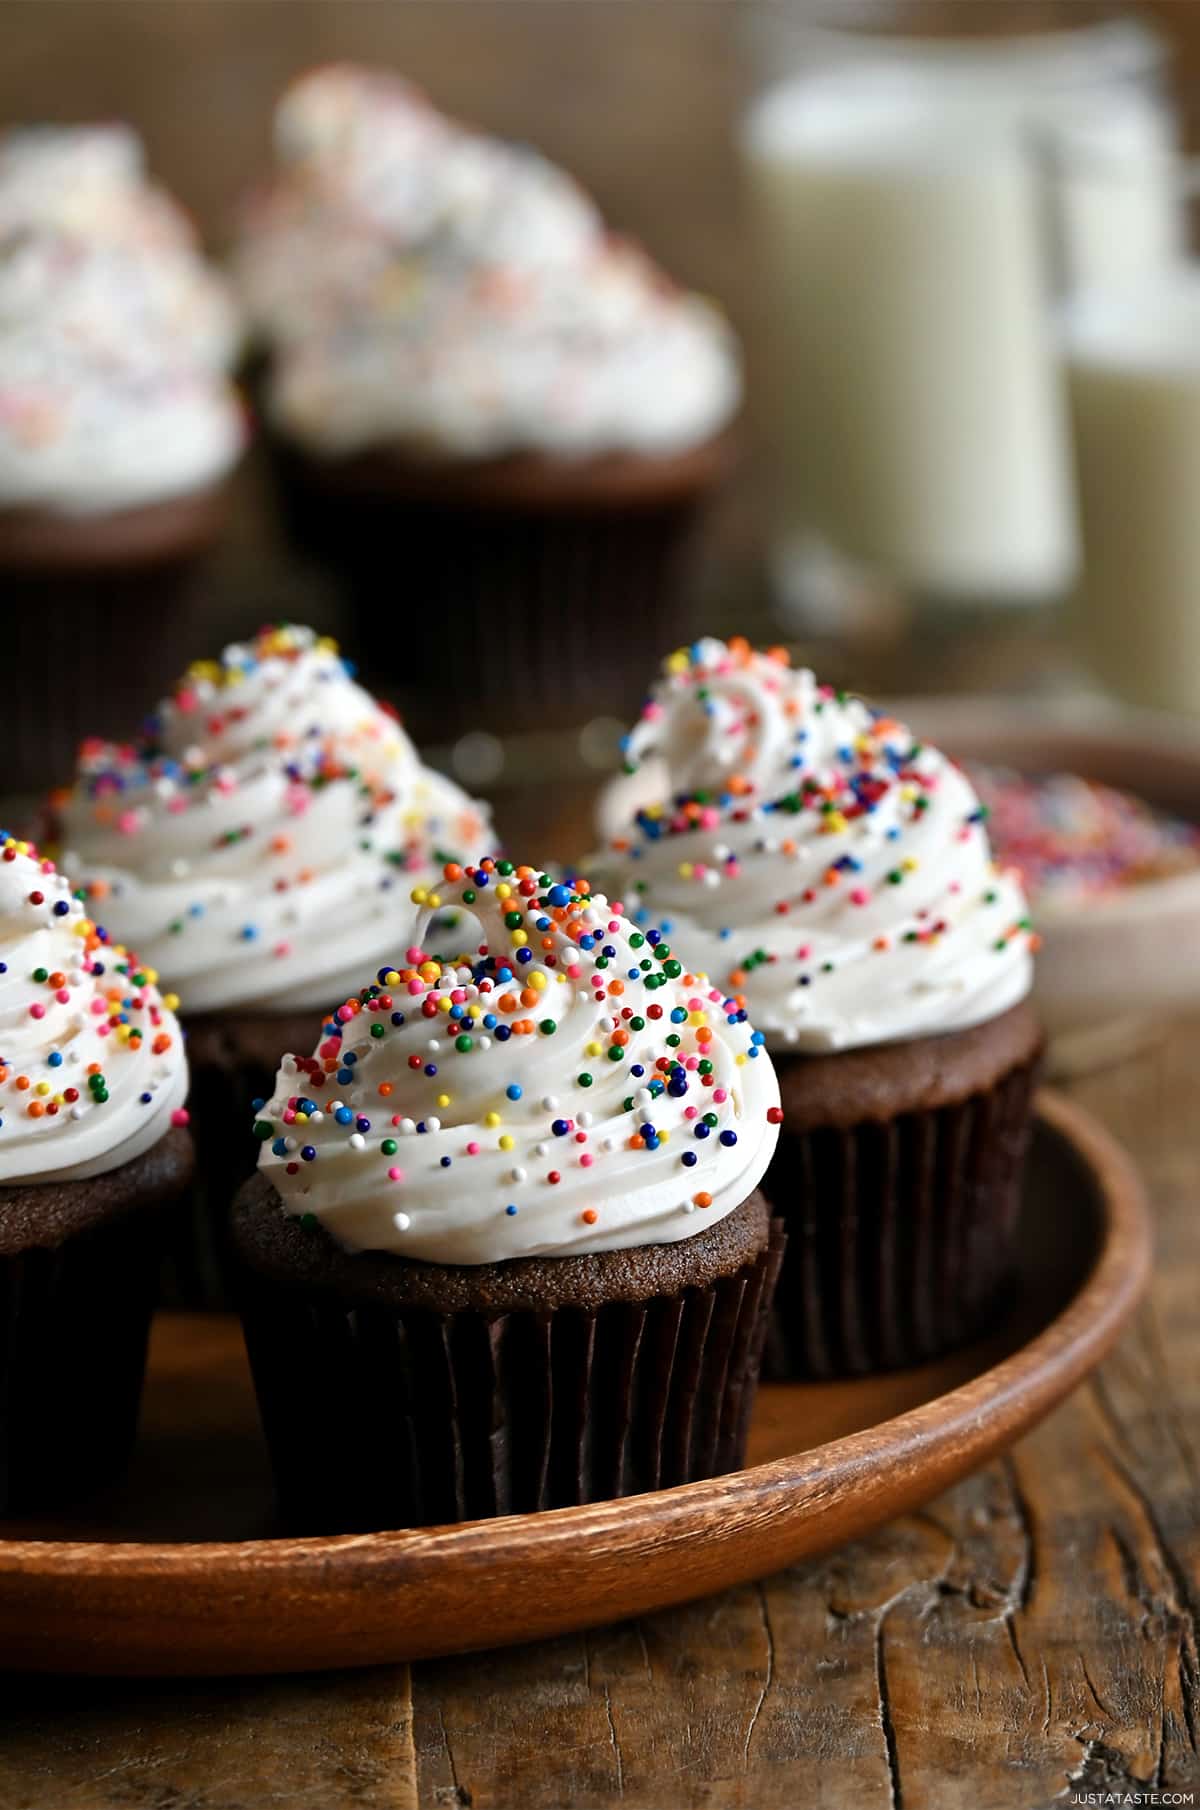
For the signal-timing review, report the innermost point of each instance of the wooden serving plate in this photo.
(178, 1572)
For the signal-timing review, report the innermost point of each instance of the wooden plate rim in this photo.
(1029, 1381)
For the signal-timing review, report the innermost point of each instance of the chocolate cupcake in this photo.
(256, 842)
(835, 875)
(465, 368)
(118, 429)
(505, 1249)
(93, 1152)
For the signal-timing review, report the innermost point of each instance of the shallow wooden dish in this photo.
(178, 1573)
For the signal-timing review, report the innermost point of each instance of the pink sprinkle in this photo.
(416, 986)
(38, 1011)
(472, 1148)
(283, 949)
(344, 1014)
(98, 1008)
(181, 1116)
(396, 1118)
(720, 1095)
(691, 1062)
(289, 1117)
(574, 971)
(860, 896)
(395, 1175)
(178, 804)
(331, 1046)
(651, 712)
(63, 997)
(458, 996)
(414, 954)
(691, 1112)
(715, 993)
(127, 823)
(586, 1160)
(185, 700)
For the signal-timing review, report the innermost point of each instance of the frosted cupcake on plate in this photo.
(464, 365)
(93, 1152)
(505, 1250)
(835, 875)
(259, 841)
(118, 431)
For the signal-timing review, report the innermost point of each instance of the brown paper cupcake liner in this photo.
(232, 1062)
(535, 594)
(69, 636)
(74, 1322)
(900, 1233)
(380, 1416)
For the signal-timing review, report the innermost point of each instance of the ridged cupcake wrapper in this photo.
(539, 597)
(73, 1329)
(198, 1270)
(68, 636)
(382, 1417)
(901, 1235)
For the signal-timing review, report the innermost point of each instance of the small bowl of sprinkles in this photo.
(1100, 812)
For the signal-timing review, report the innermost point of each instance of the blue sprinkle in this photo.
(344, 1116)
(510, 1210)
(689, 1159)
(729, 1138)
(55, 1061)
(431, 1069)
(514, 1091)
(279, 1147)
(249, 932)
(309, 1154)
(445, 1162)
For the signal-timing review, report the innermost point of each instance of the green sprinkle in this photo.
(263, 1129)
(547, 1027)
(464, 1043)
(389, 1146)
(585, 1080)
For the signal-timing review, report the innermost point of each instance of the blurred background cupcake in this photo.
(259, 841)
(118, 430)
(496, 420)
(834, 875)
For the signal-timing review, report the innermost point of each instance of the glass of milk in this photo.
(920, 206)
(1133, 359)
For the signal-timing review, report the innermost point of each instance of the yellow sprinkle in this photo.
(444, 1003)
(43, 1087)
(740, 1060)
(418, 895)
(443, 1099)
(504, 890)
(391, 977)
(537, 980)
(519, 939)
(686, 870)
(171, 1001)
(678, 661)
(831, 824)
(506, 1142)
(492, 1119)
(909, 864)
(593, 1049)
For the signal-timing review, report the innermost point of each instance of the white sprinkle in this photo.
(584, 1119)
(550, 1102)
(433, 1046)
(433, 1124)
(401, 1221)
(517, 1175)
(483, 1043)
(609, 1143)
(689, 1206)
(407, 1127)
(77, 1112)
(541, 1150)
(357, 1141)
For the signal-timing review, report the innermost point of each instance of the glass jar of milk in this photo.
(920, 205)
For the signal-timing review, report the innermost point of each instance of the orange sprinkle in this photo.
(702, 1200)
(589, 1216)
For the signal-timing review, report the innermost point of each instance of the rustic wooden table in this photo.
(1029, 1635)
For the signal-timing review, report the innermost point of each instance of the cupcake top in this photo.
(567, 1087)
(259, 837)
(92, 1069)
(430, 290)
(114, 333)
(822, 862)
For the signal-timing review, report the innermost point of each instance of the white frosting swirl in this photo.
(424, 287)
(820, 862)
(114, 333)
(260, 839)
(92, 1068)
(570, 1088)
